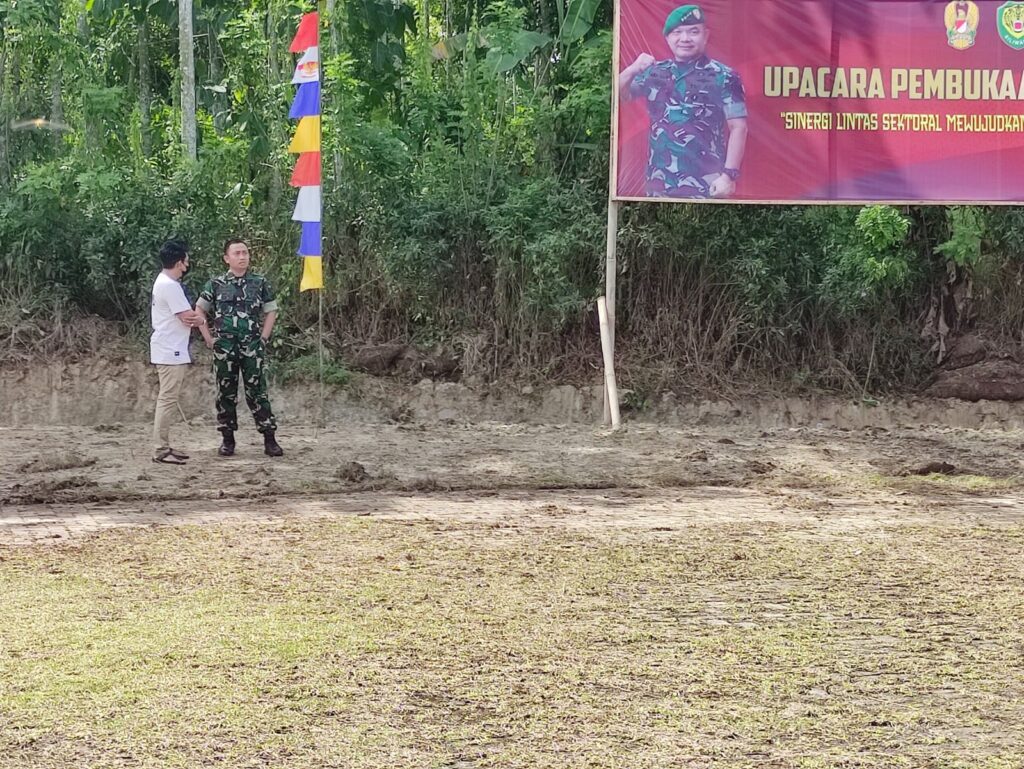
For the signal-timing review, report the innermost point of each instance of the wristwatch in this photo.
(732, 173)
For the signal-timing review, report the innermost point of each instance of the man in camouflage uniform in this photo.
(691, 99)
(244, 312)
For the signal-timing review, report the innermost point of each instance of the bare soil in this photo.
(110, 463)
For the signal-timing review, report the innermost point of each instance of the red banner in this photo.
(820, 101)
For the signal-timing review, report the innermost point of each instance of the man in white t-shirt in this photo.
(173, 321)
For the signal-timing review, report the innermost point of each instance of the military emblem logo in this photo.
(1010, 22)
(962, 23)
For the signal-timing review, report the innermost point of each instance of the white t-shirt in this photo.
(169, 343)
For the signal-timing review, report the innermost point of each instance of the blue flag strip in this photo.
(307, 101)
(310, 243)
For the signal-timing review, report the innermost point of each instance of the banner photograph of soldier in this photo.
(696, 109)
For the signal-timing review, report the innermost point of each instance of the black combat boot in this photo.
(270, 447)
(227, 448)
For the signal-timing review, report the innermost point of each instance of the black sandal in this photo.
(179, 454)
(167, 457)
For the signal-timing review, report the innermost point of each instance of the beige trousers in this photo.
(171, 380)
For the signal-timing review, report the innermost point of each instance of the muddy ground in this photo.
(51, 477)
(112, 462)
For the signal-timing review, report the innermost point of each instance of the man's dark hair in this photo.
(172, 252)
(231, 241)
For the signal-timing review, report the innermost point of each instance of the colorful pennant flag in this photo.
(307, 170)
(308, 34)
(311, 239)
(307, 136)
(308, 68)
(306, 144)
(307, 207)
(307, 101)
(312, 273)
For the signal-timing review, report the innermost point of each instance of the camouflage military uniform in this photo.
(238, 306)
(689, 103)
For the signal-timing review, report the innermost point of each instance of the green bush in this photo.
(305, 369)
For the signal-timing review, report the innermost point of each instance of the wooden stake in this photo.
(610, 388)
(610, 271)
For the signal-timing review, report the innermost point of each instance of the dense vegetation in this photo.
(467, 163)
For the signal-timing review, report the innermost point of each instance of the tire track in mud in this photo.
(604, 513)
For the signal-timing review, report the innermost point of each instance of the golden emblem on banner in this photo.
(1010, 21)
(961, 23)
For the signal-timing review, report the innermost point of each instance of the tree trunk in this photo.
(335, 27)
(57, 106)
(93, 127)
(275, 76)
(335, 49)
(188, 79)
(145, 98)
(10, 97)
(5, 118)
(216, 56)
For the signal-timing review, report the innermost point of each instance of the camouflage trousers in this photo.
(234, 355)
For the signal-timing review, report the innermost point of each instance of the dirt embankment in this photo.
(119, 388)
(976, 370)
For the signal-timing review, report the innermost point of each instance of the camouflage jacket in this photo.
(689, 104)
(238, 304)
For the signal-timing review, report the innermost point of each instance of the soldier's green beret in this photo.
(684, 14)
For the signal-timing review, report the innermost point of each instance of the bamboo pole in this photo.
(610, 388)
(611, 265)
(320, 291)
(330, 8)
(322, 422)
